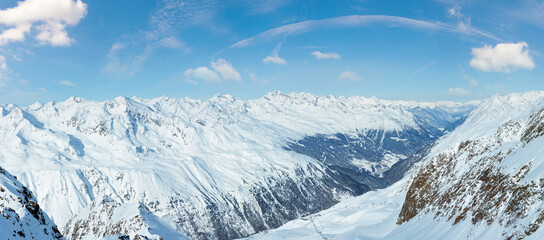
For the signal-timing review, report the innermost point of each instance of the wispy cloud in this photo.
(265, 6)
(462, 91)
(531, 11)
(458, 92)
(173, 43)
(358, 21)
(425, 67)
(21, 91)
(463, 22)
(319, 55)
(66, 83)
(455, 11)
(471, 81)
(274, 58)
(113, 64)
(4, 71)
(12, 88)
(495, 88)
(129, 63)
(191, 81)
(256, 79)
(165, 24)
(49, 17)
(175, 15)
(351, 76)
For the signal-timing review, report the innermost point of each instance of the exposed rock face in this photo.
(20, 215)
(110, 220)
(490, 180)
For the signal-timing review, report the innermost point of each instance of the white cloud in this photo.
(49, 17)
(274, 59)
(348, 75)
(202, 73)
(357, 21)
(220, 67)
(66, 83)
(504, 57)
(53, 34)
(15, 34)
(319, 55)
(455, 11)
(226, 70)
(458, 92)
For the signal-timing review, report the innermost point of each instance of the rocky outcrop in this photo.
(111, 220)
(490, 180)
(20, 215)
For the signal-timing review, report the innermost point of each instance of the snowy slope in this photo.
(218, 168)
(21, 216)
(482, 181)
(372, 215)
(490, 184)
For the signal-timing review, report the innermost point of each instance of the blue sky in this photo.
(414, 50)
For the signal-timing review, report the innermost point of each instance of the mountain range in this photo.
(221, 168)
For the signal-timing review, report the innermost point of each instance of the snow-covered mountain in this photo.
(20, 215)
(215, 169)
(109, 218)
(484, 180)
